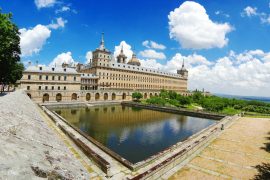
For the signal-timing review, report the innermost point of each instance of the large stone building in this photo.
(51, 83)
(102, 79)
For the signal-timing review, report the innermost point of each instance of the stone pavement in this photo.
(234, 154)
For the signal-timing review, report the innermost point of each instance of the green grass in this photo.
(193, 106)
(230, 111)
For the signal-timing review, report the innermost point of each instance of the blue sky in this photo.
(75, 27)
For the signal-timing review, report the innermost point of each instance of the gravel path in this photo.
(29, 149)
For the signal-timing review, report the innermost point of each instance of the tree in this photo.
(10, 66)
(137, 96)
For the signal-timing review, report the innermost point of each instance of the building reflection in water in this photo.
(134, 133)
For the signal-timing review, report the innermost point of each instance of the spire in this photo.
(183, 64)
(122, 51)
(102, 44)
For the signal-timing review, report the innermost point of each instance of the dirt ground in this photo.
(241, 152)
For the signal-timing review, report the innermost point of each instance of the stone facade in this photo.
(101, 79)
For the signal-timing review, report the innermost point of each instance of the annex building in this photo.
(102, 79)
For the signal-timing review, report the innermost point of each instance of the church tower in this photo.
(101, 56)
(183, 71)
(121, 58)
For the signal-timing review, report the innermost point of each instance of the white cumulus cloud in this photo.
(32, 40)
(88, 56)
(44, 3)
(65, 57)
(153, 45)
(245, 73)
(60, 23)
(193, 29)
(152, 54)
(126, 48)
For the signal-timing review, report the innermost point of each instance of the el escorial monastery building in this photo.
(102, 79)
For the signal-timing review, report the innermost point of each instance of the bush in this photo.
(156, 100)
(137, 96)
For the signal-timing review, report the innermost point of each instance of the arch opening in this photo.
(46, 97)
(124, 96)
(97, 96)
(145, 96)
(58, 97)
(74, 96)
(88, 97)
(105, 96)
(113, 96)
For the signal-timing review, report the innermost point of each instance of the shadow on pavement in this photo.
(264, 168)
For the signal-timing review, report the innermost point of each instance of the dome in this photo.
(134, 61)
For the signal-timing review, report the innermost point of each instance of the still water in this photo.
(134, 133)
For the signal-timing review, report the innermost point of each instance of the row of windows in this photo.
(142, 86)
(46, 88)
(135, 78)
(89, 81)
(140, 69)
(144, 80)
(100, 55)
(40, 68)
(52, 77)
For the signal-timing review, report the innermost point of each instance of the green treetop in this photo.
(10, 66)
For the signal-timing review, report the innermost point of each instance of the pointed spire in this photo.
(183, 64)
(102, 44)
(122, 51)
(102, 37)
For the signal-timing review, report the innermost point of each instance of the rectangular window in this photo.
(47, 77)
(59, 78)
(58, 87)
(28, 87)
(39, 87)
(40, 77)
(65, 78)
(46, 87)
(52, 87)
(53, 78)
(74, 78)
(65, 88)
(29, 76)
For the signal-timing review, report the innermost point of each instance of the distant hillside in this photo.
(249, 98)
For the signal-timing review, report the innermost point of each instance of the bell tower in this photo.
(121, 58)
(101, 56)
(183, 71)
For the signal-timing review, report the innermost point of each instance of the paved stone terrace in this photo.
(234, 154)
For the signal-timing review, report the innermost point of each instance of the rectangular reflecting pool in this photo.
(133, 133)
